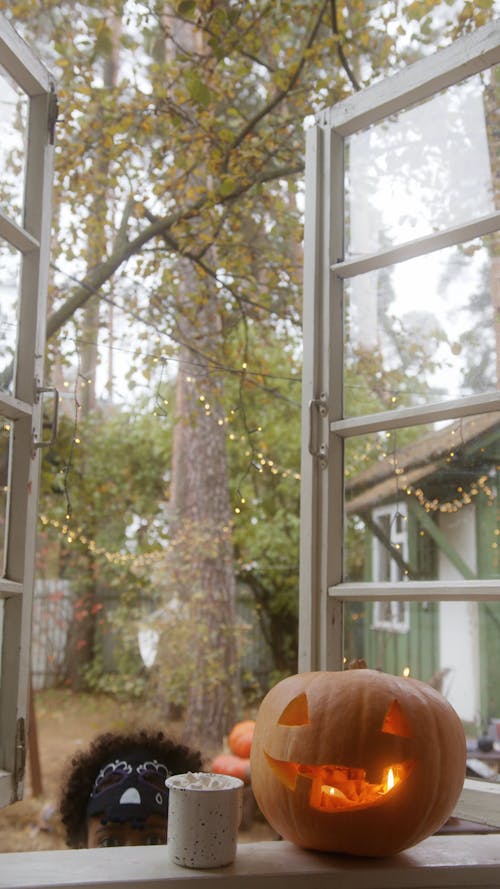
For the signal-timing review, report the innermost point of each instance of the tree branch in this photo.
(125, 249)
(340, 49)
(281, 94)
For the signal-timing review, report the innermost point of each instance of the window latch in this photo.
(318, 410)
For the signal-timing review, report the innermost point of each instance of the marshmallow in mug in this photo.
(200, 781)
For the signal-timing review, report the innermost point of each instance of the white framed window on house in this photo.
(28, 111)
(390, 558)
(401, 400)
(390, 615)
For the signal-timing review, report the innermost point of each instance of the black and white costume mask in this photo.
(130, 789)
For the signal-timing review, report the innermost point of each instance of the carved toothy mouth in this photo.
(333, 788)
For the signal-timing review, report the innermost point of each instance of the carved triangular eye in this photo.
(296, 712)
(396, 723)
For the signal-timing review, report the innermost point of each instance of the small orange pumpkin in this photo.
(228, 764)
(240, 738)
(358, 761)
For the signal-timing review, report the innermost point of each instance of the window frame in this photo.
(325, 428)
(31, 241)
(470, 861)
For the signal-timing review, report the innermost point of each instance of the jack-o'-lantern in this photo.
(358, 761)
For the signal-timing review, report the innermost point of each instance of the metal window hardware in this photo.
(53, 113)
(20, 754)
(39, 390)
(318, 409)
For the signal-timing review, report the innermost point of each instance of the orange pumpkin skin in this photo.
(228, 764)
(240, 738)
(335, 719)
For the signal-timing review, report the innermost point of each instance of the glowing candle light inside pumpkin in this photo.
(330, 795)
(391, 781)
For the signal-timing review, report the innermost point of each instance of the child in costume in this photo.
(114, 793)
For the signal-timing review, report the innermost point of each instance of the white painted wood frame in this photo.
(325, 428)
(441, 862)
(31, 240)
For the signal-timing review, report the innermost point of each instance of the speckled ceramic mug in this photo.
(204, 814)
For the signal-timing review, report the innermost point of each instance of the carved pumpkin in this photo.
(359, 761)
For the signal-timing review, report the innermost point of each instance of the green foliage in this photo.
(102, 513)
(126, 681)
(111, 466)
(180, 141)
(263, 432)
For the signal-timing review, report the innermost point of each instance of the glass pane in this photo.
(10, 267)
(13, 122)
(422, 330)
(6, 435)
(422, 503)
(425, 169)
(373, 631)
(455, 646)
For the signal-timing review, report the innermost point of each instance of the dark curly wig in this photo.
(84, 767)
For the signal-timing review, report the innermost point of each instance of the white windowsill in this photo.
(440, 862)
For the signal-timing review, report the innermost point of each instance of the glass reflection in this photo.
(396, 637)
(10, 266)
(425, 169)
(13, 122)
(422, 330)
(422, 503)
(451, 645)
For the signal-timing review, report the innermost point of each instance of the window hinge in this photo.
(20, 756)
(53, 114)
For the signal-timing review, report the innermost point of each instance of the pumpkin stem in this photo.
(358, 664)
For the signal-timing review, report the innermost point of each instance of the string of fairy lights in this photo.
(259, 461)
(464, 498)
(75, 534)
(263, 463)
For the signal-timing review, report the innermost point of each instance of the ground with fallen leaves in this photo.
(66, 722)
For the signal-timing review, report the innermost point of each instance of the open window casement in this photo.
(401, 400)
(28, 116)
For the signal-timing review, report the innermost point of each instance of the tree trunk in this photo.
(200, 558)
(82, 631)
(201, 522)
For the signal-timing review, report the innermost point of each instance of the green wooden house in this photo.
(431, 512)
